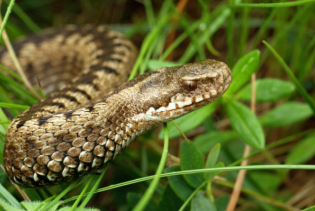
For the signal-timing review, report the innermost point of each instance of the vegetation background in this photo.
(271, 126)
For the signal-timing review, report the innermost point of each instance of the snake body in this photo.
(90, 119)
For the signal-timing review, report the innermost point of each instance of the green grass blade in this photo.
(282, 4)
(6, 16)
(263, 28)
(230, 36)
(90, 194)
(146, 197)
(285, 30)
(25, 18)
(192, 196)
(13, 74)
(146, 44)
(4, 118)
(178, 40)
(289, 72)
(196, 171)
(47, 205)
(210, 30)
(244, 31)
(14, 106)
(8, 196)
(74, 206)
(149, 12)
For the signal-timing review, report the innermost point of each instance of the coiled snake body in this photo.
(78, 129)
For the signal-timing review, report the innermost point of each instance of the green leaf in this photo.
(211, 160)
(271, 183)
(286, 114)
(189, 121)
(201, 203)
(245, 124)
(243, 70)
(211, 175)
(302, 151)
(154, 184)
(191, 158)
(267, 90)
(179, 184)
(221, 203)
(169, 201)
(206, 141)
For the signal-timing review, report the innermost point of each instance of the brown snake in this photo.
(91, 119)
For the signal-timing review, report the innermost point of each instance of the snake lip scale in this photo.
(79, 128)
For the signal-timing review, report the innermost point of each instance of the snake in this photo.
(93, 112)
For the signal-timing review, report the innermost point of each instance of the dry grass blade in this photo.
(241, 175)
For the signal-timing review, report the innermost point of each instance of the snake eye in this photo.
(190, 85)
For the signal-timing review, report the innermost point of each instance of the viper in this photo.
(94, 114)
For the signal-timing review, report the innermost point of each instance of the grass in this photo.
(282, 151)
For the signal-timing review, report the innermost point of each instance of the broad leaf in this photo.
(206, 141)
(179, 184)
(302, 151)
(169, 201)
(272, 181)
(191, 158)
(221, 203)
(211, 175)
(201, 203)
(286, 114)
(211, 160)
(267, 90)
(245, 124)
(243, 70)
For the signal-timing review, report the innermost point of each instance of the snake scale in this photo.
(92, 118)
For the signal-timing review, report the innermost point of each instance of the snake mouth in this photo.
(181, 104)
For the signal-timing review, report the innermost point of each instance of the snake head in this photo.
(168, 93)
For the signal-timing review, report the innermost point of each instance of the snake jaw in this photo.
(213, 79)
